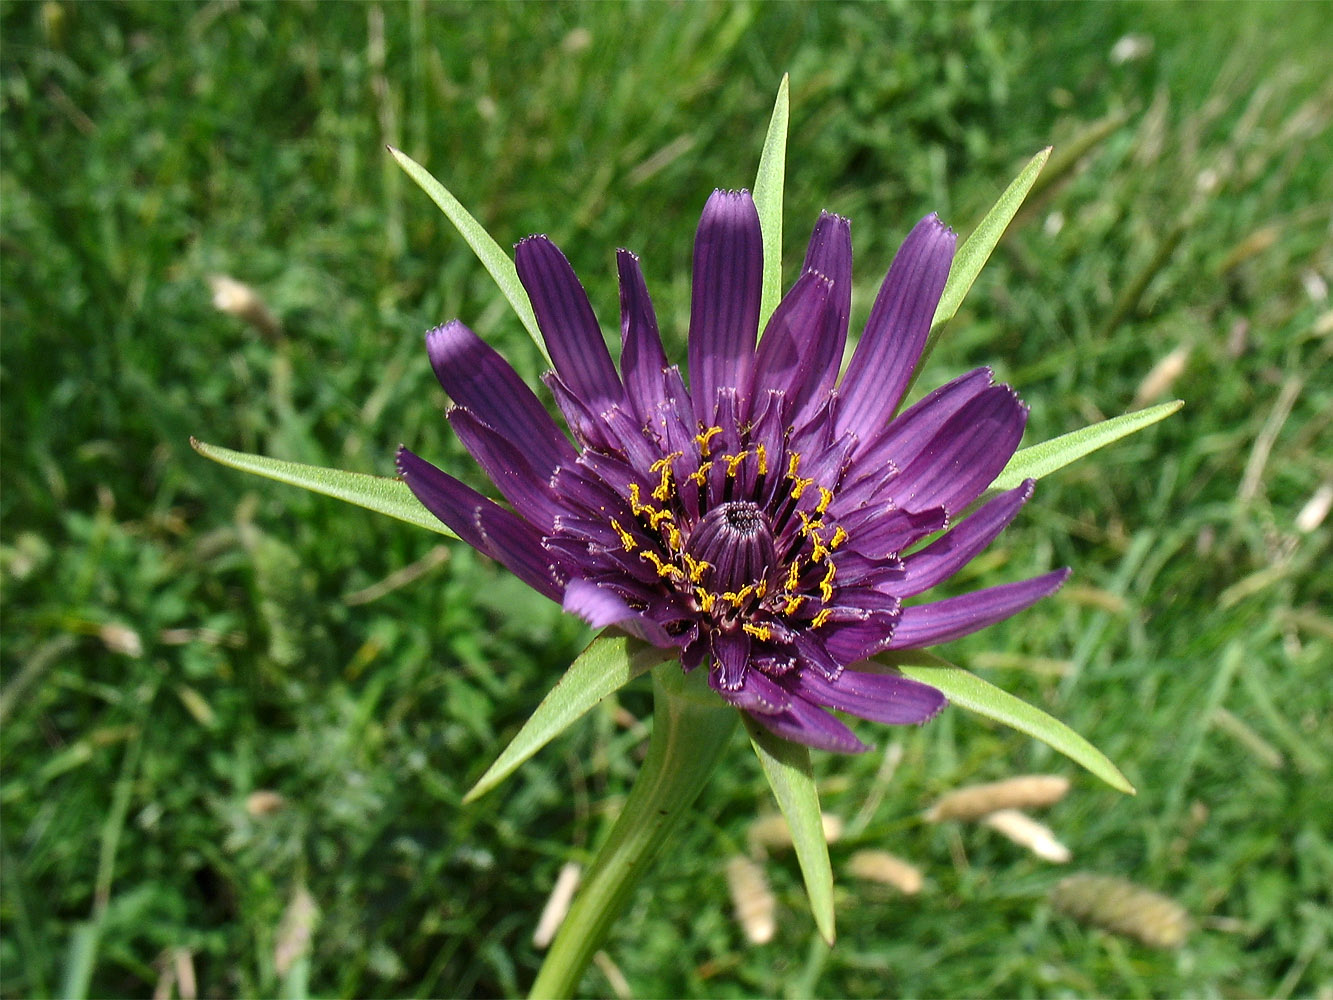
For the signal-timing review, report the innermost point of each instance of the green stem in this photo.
(691, 727)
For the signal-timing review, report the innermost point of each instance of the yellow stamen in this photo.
(793, 576)
(821, 618)
(825, 498)
(705, 599)
(793, 604)
(702, 440)
(826, 585)
(761, 632)
(734, 463)
(700, 474)
(626, 539)
(761, 455)
(839, 536)
(737, 597)
(793, 463)
(697, 567)
(798, 487)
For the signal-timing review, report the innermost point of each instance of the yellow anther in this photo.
(760, 632)
(761, 590)
(793, 463)
(657, 517)
(821, 618)
(734, 462)
(626, 539)
(798, 486)
(761, 457)
(702, 440)
(664, 463)
(705, 599)
(663, 467)
(737, 597)
(820, 551)
(826, 584)
(825, 498)
(839, 536)
(793, 604)
(663, 569)
(700, 474)
(636, 503)
(697, 567)
(793, 576)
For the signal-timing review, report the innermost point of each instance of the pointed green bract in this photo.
(768, 184)
(967, 690)
(377, 493)
(976, 249)
(787, 767)
(608, 664)
(489, 252)
(1042, 459)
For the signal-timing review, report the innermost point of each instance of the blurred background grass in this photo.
(178, 637)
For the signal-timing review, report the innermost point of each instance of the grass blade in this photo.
(1040, 460)
(768, 184)
(377, 493)
(608, 664)
(967, 690)
(787, 767)
(492, 256)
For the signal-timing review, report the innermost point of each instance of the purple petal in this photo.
(945, 556)
(965, 455)
(724, 302)
(475, 376)
(507, 468)
(483, 524)
(802, 722)
(896, 331)
(731, 655)
(941, 621)
(913, 429)
(600, 608)
(642, 360)
(829, 254)
(759, 695)
(886, 698)
(792, 337)
(853, 641)
(567, 322)
(890, 532)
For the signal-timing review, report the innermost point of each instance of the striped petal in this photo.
(724, 301)
(896, 331)
(942, 621)
(477, 377)
(567, 323)
(948, 554)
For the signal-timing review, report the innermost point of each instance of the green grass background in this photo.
(148, 146)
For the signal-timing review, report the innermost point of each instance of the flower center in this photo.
(735, 539)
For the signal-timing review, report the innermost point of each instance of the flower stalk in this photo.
(691, 727)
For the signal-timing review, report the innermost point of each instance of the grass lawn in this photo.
(238, 719)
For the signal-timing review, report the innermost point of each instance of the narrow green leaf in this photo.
(768, 200)
(489, 252)
(1042, 459)
(976, 249)
(377, 493)
(967, 690)
(608, 664)
(787, 767)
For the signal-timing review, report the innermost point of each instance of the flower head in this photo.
(767, 519)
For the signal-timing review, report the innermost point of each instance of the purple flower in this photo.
(765, 520)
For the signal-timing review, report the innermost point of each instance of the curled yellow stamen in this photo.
(761, 456)
(798, 486)
(697, 567)
(705, 599)
(734, 462)
(839, 536)
(700, 474)
(761, 632)
(826, 585)
(793, 604)
(793, 576)
(821, 618)
(737, 597)
(825, 498)
(626, 539)
(702, 440)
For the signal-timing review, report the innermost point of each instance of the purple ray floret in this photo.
(768, 520)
